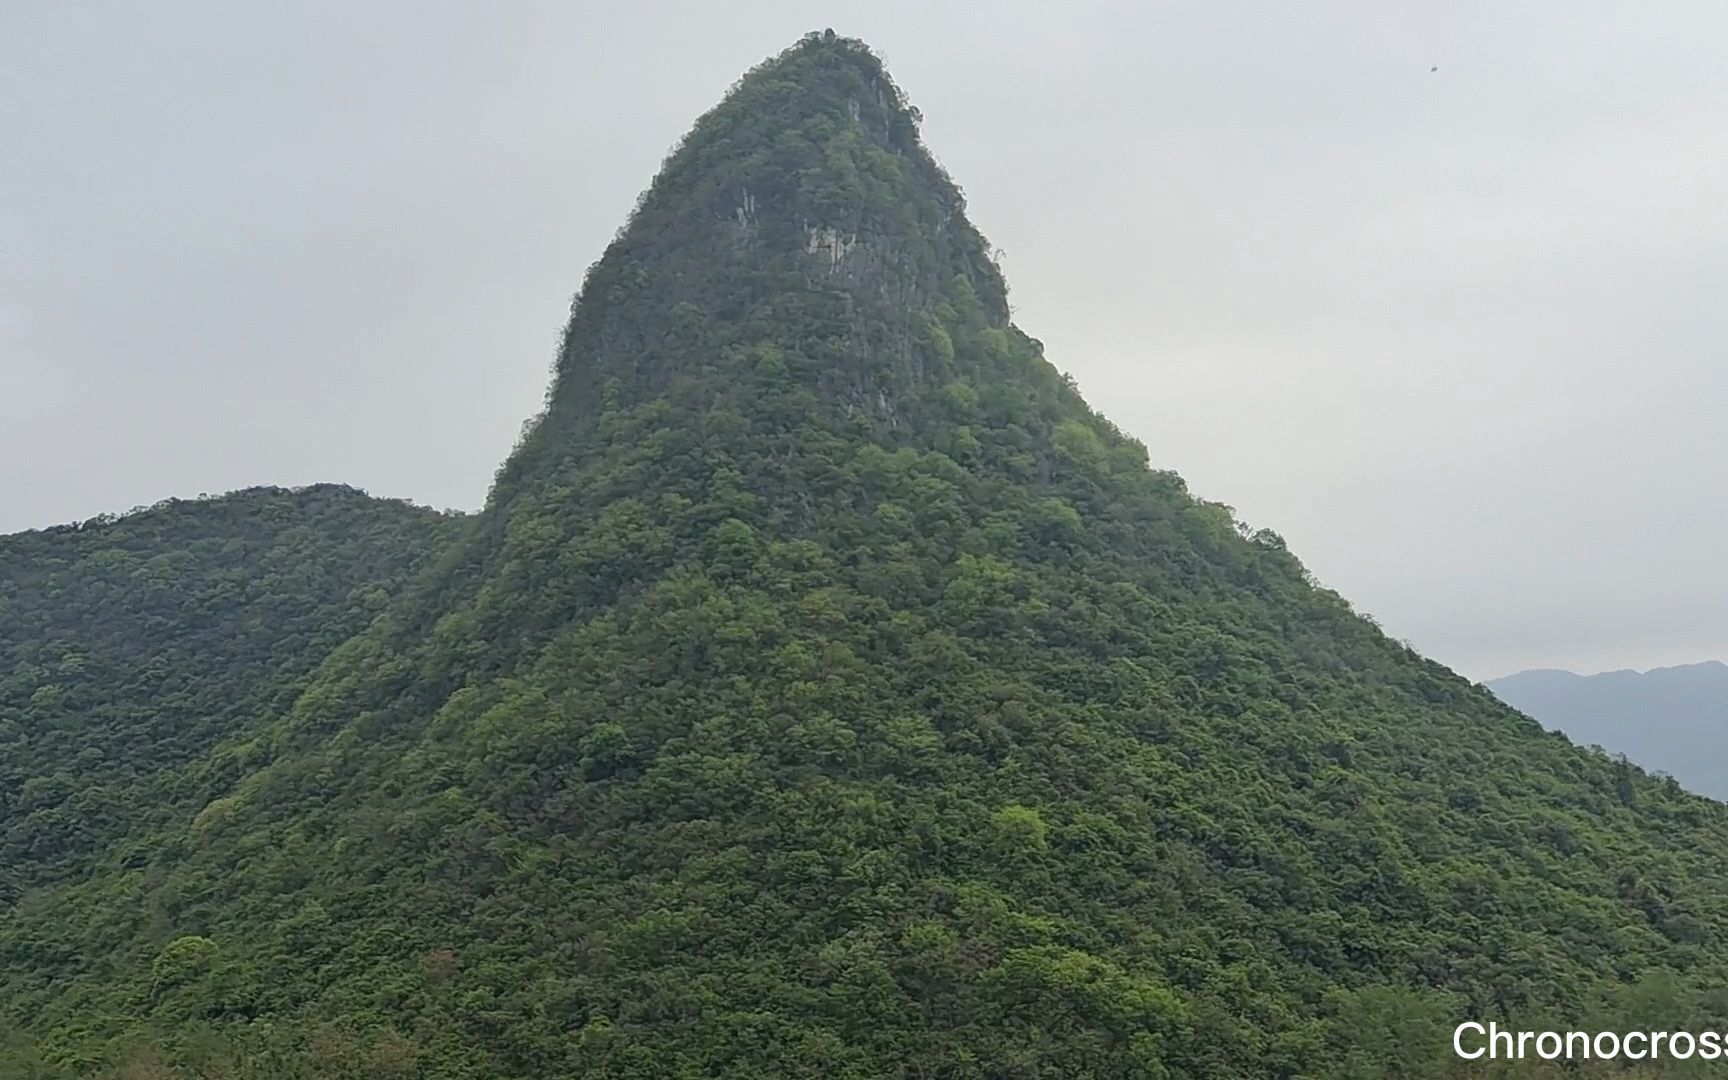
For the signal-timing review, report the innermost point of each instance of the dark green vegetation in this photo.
(130, 646)
(827, 691)
(1674, 719)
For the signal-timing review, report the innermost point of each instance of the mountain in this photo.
(826, 690)
(1673, 719)
(131, 646)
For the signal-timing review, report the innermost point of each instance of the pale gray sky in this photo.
(1458, 335)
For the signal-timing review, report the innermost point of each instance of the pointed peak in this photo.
(806, 185)
(822, 61)
(818, 133)
(830, 46)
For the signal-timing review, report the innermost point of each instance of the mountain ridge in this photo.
(1700, 665)
(1665, 718)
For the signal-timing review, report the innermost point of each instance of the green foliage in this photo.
(825, 691)
(131, 648)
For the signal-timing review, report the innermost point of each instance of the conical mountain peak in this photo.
(816, 137)
(807, 187)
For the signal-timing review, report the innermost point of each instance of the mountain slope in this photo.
(1672, 719)
(827, 691)
(130, 646)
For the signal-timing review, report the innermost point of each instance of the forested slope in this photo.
(826, 690)
(130, 646)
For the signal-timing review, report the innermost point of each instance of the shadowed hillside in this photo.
(131, 646)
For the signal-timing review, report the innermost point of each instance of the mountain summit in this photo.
(826, 690)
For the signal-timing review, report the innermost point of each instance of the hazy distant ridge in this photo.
(1670, 719)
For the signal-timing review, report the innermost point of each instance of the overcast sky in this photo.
(1458, 335)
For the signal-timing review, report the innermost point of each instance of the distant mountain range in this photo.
(1670, 719)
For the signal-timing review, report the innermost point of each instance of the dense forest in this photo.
(130, 646)
(825, 690)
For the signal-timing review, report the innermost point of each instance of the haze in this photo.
(1455, 334)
